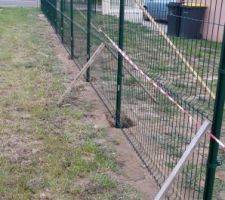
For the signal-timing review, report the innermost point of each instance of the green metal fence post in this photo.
(62, 20)
(216, 127)
(71, 30)
(89, 8)
(95, 2)
(120, 66)
(55, 15)
(42, 6)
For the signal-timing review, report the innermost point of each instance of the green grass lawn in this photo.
(150, 51)
(46, 152)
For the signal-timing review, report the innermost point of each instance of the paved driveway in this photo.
(18, 3)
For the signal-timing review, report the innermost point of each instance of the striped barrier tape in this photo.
(146, 77)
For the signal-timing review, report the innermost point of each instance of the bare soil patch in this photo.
(47, 152)
(132, 170)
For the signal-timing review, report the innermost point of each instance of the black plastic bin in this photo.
(174, 19)
(192, 21)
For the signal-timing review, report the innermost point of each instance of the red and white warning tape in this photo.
(217, 140)
(146, 77)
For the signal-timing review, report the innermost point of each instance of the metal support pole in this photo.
(89, 8)
(62, 20)
(71, 30)
(212, 162)
(82, 71)
(183, 160)
(42, 6)
(120, 66)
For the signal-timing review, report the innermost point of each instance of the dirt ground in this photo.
(133, 172)
(48, 152)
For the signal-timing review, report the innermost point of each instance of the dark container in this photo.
(192, 21)
(174, 19)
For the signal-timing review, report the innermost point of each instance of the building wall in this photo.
(214, 20)
(109, 6)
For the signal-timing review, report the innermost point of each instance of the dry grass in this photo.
(46, 152)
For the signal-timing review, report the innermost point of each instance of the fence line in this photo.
(135, 67)
(141, 106)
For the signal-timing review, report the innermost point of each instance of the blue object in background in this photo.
(158, 9)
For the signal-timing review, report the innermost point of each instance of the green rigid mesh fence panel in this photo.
(180, 51)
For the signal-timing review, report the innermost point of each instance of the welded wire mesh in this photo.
(104, 78)
(183, 61)
(66, 24)
(161, 63)
(161, 134)
(80, 31)
(50, 11)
